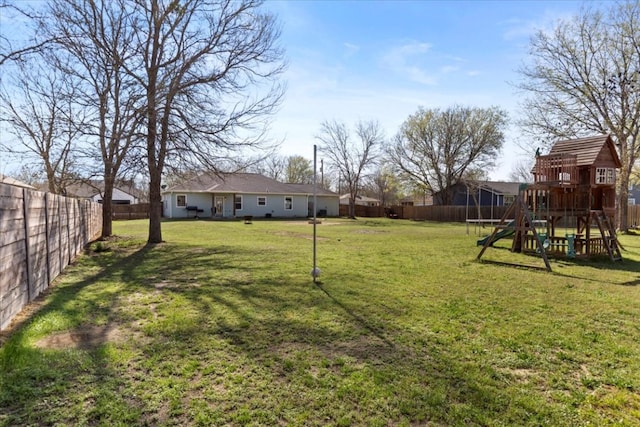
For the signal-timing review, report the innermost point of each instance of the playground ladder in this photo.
(608, 235)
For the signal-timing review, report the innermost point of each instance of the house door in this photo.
(218, 206)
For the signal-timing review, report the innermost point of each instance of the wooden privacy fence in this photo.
(429, 213)
(633, 216)
(40, 234)
(455, 213)
(137, 211)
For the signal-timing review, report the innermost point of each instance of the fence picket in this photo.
(34, 246)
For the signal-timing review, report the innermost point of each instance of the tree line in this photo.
(165, 87)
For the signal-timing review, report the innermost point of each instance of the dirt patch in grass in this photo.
(24, 316)
(370, 231)
(522, 375)
(320, 222)
(300, 235)
(359, 349)
(82, 338)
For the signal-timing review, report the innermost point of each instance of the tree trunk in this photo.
(623, 205)
(107, 207)
(624, 177)
(155, 206)
(352, 208)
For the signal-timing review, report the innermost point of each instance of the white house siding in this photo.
(275, 205)
(118, 195)
(328, 204)
(201, 200)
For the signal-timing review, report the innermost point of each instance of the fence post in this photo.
(25, 206)
(46, 236)
(60, 228)
(66, 204)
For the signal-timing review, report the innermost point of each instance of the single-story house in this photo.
(93, 191)
(423, 200)
(360, 200)
(634, 195)
(230, 195)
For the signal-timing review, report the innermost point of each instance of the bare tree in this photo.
(208, 69)
(383, 185)
(584, 77)
(348, 156)
(12, 11)
(436, 148)
(521, 171)
(299, 170)
(36, 103)
(273, 166)
(97, 39)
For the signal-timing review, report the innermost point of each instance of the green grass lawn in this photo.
(222, 325)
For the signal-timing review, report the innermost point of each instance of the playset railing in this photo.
(559, 168)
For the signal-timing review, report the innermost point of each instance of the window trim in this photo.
(605, 176)
(290, 199)
(258, 200)
(178, 205)
(235, 202)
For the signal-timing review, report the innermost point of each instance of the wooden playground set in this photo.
(568, 210)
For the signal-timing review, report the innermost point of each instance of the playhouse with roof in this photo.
(569, 208)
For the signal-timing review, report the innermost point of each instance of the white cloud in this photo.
(350, 49)
(418, 75)
(406, 60)
(518, 28)
(401, 55)
(449, 69)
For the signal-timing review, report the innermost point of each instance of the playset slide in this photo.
(499, 235)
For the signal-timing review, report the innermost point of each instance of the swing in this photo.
(544, 241)
(571, 250)
(544, 237)
(571, 237)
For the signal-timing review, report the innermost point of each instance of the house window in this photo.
(288, 203)
(181, 200)
(238, 203)
(605, 176)
(262, 201)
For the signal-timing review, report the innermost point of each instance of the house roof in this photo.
(587, 149)
(10, 181)
(242, 183)
(501, 187)
(89, 189)
(360, 198)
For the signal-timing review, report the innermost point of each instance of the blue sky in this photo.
(382, 60)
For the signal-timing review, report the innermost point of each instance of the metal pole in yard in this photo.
(315, 271)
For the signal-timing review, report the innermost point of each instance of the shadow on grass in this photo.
(600, 263)
(378, 332)
(513, 265)
(36, 379)
(208, 334)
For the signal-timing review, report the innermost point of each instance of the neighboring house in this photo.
(10, 181)
(424, 200)
(483, 193)
(233, 195)
(360, 200)
(94, 190)
(634, 195)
